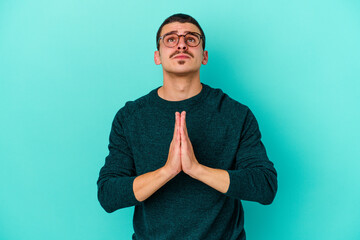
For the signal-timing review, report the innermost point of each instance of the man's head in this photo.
(181, 18)
(180, 43)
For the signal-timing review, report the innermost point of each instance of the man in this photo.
(186, 178)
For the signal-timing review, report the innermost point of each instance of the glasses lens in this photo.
(170, 40)
(192, 40)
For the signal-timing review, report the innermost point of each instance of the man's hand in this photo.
(181, 155)
(189, 162)
(173, 163)
(182, 158)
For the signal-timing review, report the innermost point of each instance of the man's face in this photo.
(180, 59)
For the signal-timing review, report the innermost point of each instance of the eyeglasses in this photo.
(192, 39)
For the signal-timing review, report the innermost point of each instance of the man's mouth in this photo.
(181, 55)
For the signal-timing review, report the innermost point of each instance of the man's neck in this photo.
(178, 88)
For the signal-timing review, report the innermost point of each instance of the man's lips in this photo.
(182, 56)
(178, 54)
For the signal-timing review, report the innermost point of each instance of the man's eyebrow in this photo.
(176, 31)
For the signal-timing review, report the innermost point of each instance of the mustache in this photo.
(183, 52)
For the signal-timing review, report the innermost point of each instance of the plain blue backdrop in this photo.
(66, 67)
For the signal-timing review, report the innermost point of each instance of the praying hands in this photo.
(181, 157)
(181, 154)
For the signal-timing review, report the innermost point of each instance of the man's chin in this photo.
(183, 72)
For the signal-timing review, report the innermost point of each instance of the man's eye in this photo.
(190, 39)
(171, 39)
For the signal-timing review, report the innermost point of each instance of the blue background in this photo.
(66, 67)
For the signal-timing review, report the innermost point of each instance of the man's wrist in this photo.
(218, 179)
(197, 171)
(167, 173)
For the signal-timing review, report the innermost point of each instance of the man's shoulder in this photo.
(135, 105)
(224, 102)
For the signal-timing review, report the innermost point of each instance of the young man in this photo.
(185, 154)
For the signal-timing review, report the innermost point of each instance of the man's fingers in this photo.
(179, 120)
(183, 123)
(183, 129)
(178, 135)
(183, 138)
(176, 125)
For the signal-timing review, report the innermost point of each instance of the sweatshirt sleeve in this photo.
(254, 177)
(116, 177)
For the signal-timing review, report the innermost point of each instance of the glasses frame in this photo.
(201, 37)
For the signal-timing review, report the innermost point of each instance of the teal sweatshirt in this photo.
(224, 134)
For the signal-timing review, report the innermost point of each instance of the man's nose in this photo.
(182, 44)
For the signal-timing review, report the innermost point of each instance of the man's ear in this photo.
(157, 58)
(205, 58)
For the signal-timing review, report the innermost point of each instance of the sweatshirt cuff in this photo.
(238, 184)
(129, 191)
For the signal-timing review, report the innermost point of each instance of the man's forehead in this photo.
(178, 27)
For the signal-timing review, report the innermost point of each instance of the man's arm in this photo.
(254, 177)
(145, 185)
(148, 183)
(118, 185)
(262, 183)
(218, 179)
(117, 175)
